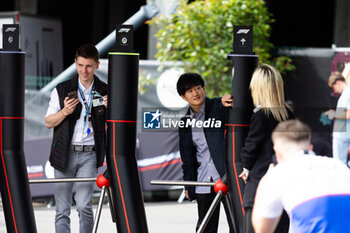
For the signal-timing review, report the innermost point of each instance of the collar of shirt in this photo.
(257, 108)
(297, 155)
(201, 111)
(86, 90)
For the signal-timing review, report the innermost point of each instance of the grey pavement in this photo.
(162, 217)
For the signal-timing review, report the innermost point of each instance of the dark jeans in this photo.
(203, 203)
(282, 227)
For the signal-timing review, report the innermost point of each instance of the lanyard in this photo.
(87, 104)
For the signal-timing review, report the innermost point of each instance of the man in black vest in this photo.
(77, 112)
(202, 149)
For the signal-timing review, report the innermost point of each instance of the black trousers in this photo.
(282, 227)
(203, 203)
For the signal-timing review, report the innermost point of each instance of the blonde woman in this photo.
(257, 154)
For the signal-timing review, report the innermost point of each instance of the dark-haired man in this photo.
(201, 148)
(77, 112)
(314, 190)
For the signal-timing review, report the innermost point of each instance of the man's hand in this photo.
(69, 106)
(227, 101)
(54, 120)
(330, 113)
(105, 101)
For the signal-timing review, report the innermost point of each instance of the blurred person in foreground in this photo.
(314, 190)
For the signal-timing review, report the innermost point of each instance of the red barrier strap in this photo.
(121, 121)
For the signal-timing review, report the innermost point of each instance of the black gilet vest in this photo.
(63, 133)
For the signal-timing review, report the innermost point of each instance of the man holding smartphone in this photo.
(79, 137)
(341, 117)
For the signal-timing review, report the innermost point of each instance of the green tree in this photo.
(200, 34)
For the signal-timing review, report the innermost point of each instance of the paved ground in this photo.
(162, 217)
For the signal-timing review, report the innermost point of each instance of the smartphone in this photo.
(72, 95)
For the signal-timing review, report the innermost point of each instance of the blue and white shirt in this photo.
(314, 190)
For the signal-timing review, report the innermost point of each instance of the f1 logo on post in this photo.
(243, 40)
(151, 120)
(125, 38)
(10, 37)
(245, 31)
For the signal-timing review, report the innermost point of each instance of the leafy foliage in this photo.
(145, 81)
(200, 34)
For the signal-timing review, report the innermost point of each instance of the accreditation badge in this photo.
(97, 102)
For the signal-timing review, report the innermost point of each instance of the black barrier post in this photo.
(14, 186)
(238, 118)
(123, 70)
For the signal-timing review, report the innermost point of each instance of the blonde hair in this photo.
(267, 92)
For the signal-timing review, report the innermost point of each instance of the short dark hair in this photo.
(293, 131)
(87, 51)
(187, 81)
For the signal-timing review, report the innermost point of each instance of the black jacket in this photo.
(257, 152)
(63, 133)
(215, 141)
